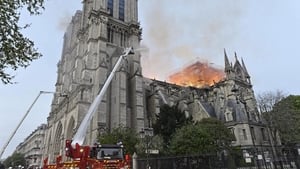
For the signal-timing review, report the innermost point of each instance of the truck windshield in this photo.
(110, 153)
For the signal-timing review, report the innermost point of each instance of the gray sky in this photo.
(264, 33)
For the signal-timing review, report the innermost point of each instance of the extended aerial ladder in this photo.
(97, 156)
(21, 121)
(81, 132)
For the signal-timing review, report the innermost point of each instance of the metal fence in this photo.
(213, 162)
(181, 162)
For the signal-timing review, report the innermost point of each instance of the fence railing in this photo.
(212, 162)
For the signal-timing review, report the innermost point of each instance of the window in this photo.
(232, 131)
(110, 153)
(121, 9)
(110, 7)
(252, 133)
(244, 134)
(122, 39)
(110, 35)
(248, 115)
(263, 134)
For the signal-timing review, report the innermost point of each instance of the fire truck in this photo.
(97, 156)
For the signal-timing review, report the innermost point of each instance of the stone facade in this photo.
(32, 147)
(94, 40)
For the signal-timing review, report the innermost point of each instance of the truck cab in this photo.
(107, 151)
(110, 156)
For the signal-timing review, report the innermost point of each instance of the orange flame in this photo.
(197, 75)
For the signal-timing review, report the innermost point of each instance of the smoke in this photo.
(178, 31)
(64, 21)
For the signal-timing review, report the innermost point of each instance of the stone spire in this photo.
(237, 63)
(227, 64)
(238, 69)
(241, 71)
(245, 69)
(228, 67)
(246, 72)
(235, 56)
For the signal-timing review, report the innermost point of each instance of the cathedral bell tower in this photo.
(109, 26)
(94, 40)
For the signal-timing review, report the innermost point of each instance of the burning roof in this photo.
(197, 75)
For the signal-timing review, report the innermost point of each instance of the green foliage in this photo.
(15, 49)
(15, 160)
(221, 135)
(191, 139)
(286, 117)
(168, 120)
(128, 137)
(208, 136)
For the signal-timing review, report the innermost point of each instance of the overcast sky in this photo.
(264, 33)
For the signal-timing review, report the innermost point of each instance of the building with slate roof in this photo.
(93, 42)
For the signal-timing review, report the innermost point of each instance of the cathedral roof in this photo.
(209, 109)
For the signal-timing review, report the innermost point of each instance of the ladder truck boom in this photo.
(81, 132)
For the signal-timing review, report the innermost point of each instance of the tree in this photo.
(169, 119)
(286, 119)
(209, 136)
(15, 160)
(191, 139)
(266, 102)
(221, 135)
(128, 137)
(16, 50)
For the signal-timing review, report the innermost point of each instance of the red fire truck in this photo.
(98, 156)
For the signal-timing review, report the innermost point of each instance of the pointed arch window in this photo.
(110, 7)
(121, 10)
(110, 34)
(244, 134)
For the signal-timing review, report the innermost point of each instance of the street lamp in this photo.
(146, 135)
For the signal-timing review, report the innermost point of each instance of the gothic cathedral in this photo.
(94, 40)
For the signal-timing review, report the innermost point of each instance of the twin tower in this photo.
(94, 40)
